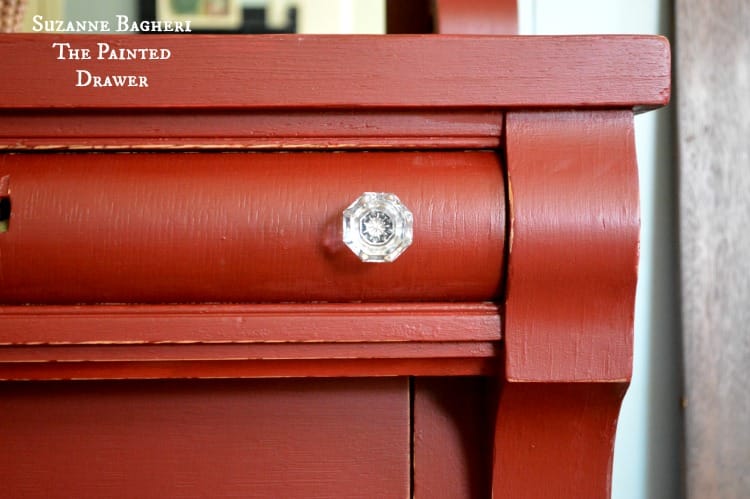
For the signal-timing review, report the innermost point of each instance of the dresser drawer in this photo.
(245, 227)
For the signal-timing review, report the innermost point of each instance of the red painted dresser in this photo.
(179, 314)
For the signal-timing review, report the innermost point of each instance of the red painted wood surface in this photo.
(291, 92)
(183, 228)
(573, 252)
(572, 199)
(555, 440)
(316, 340)
(278, 323)
(476, 17)
(453, 428)
(216, 129)
(250, 438)
(295, 72)
(367, 366)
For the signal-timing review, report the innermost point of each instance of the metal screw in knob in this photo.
(378, 227)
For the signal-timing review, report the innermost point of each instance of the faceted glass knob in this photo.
(378, 227)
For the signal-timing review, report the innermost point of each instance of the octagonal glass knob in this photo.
(378, 227)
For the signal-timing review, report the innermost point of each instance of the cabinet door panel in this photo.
(310, 438)
(453, 426)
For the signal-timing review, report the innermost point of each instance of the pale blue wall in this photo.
(648, 447)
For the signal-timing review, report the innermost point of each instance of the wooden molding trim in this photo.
(138, 341)
(170, 129)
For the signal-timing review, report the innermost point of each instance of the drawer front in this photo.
(257, 227)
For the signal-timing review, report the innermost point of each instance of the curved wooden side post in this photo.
(573, 188)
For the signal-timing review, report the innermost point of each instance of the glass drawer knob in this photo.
(378, 227)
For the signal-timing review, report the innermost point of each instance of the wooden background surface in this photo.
(713, 97)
